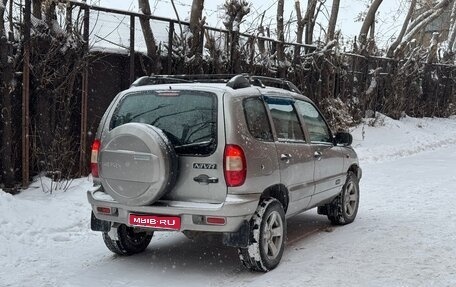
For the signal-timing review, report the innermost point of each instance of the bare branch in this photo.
(367, 24)
(332, 20)
(398, 40)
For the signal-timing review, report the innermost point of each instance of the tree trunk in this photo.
(151, 46)
(235, 11)
(50, 13)
(37, 8)
(280, 33)
(332, 21)
(261, 45)
(452, 32)
(196, 25)
(370, 18)
(299, 32)
(432, 14)
(309, 19)
(398, 40)
(426, 14)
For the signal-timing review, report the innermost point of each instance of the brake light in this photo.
(94, 158)
(234, 166)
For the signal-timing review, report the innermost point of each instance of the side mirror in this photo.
(343, 138)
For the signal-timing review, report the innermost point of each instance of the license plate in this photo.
(155, 221)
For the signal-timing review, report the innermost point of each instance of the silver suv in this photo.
(235, 157)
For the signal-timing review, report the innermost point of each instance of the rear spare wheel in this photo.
(137, 164)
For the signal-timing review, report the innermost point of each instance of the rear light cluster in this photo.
(105, 210)
(234, 166)
(209, 220)
(215, 220)
(94, 158)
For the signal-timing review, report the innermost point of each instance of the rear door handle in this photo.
(317, 155)
(205, 179)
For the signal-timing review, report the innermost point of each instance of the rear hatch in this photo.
(193, 122)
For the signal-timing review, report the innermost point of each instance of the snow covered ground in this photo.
(405, 233)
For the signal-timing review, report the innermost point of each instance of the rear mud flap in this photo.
(239, 238)
(99, 225)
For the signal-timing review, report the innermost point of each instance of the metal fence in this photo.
(117, 35)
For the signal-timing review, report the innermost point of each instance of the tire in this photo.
(344, 208)
(268, 231)
(129, 241)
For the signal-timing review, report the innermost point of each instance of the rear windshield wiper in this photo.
(149, 111)
(203, 143)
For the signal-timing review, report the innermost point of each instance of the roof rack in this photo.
(238, 81)
(276, 82)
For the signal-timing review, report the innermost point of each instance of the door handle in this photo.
(317, 155)
(205, 179)
(285, 157)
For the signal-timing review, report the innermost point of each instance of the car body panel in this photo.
(308, 181)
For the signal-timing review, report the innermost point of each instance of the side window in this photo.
(318, 130)
(257, 119)
(285, 120)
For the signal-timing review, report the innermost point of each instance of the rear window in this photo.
(188, 118)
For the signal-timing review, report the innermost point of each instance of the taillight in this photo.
(234, 164)
(94, 158)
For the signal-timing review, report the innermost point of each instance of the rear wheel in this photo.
(267, 237)
(344, 208)
(129, 241)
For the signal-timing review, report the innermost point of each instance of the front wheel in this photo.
(267, 237)
(344, 208)
(129, 241)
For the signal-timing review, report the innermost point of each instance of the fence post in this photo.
(26, 96)
(132, 49)
(84, 96)
(170, 46)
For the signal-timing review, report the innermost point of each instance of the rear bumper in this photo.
(236, 209)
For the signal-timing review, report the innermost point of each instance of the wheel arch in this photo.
(279, 192)
(356, 170)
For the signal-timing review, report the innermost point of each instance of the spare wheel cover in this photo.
(137, 164)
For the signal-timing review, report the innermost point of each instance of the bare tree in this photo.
(300, 29)
(395, 44)
(261, 45)
(2, 22)
(332, 21)
(368, 23)
(425, 18)
(196, 28)
(151, 46)
(452, 32)
(235, 11)
(178, 18)
(308, 22)
(310, 19)
(280, 32)
(49, 12)
(37, 8)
